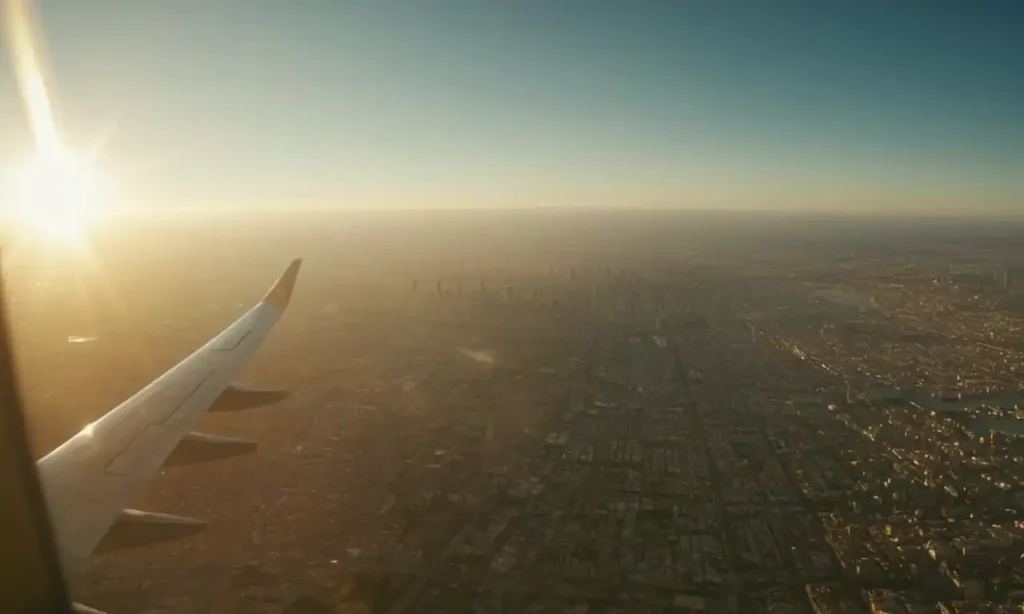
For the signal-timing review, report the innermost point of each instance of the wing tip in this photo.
(281, 292)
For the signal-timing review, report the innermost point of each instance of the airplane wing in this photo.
(91, 478)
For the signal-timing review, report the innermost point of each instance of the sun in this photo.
(57, 196)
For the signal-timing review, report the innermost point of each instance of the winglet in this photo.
(281, 293)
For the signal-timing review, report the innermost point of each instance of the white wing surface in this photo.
(91, 478)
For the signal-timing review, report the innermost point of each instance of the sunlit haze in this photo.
(867, 106)
(551, 306)
(57, 196)
(54, 194)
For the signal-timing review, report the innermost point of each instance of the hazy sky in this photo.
(423, 103)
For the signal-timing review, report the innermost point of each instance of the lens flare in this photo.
(57, 196)
(56, 193)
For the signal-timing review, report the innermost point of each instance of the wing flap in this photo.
(145, 454)
(137, 528)
(78, 526)
(202, 447)
(236, 398)
(183, 412)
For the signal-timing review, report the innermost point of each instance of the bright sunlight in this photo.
(58, 196)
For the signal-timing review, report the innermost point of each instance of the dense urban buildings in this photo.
(795, 422)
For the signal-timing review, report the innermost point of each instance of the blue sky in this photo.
(867, 105)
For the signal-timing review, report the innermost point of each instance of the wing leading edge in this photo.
(91, 478)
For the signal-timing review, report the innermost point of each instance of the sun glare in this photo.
(57, 196)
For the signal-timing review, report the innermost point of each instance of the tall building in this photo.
(1009, 276)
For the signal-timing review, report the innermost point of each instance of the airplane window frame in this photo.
(31, 578)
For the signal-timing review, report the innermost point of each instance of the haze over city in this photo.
(617, 307)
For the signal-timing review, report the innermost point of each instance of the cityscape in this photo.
(782, 429)
(588, 308)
